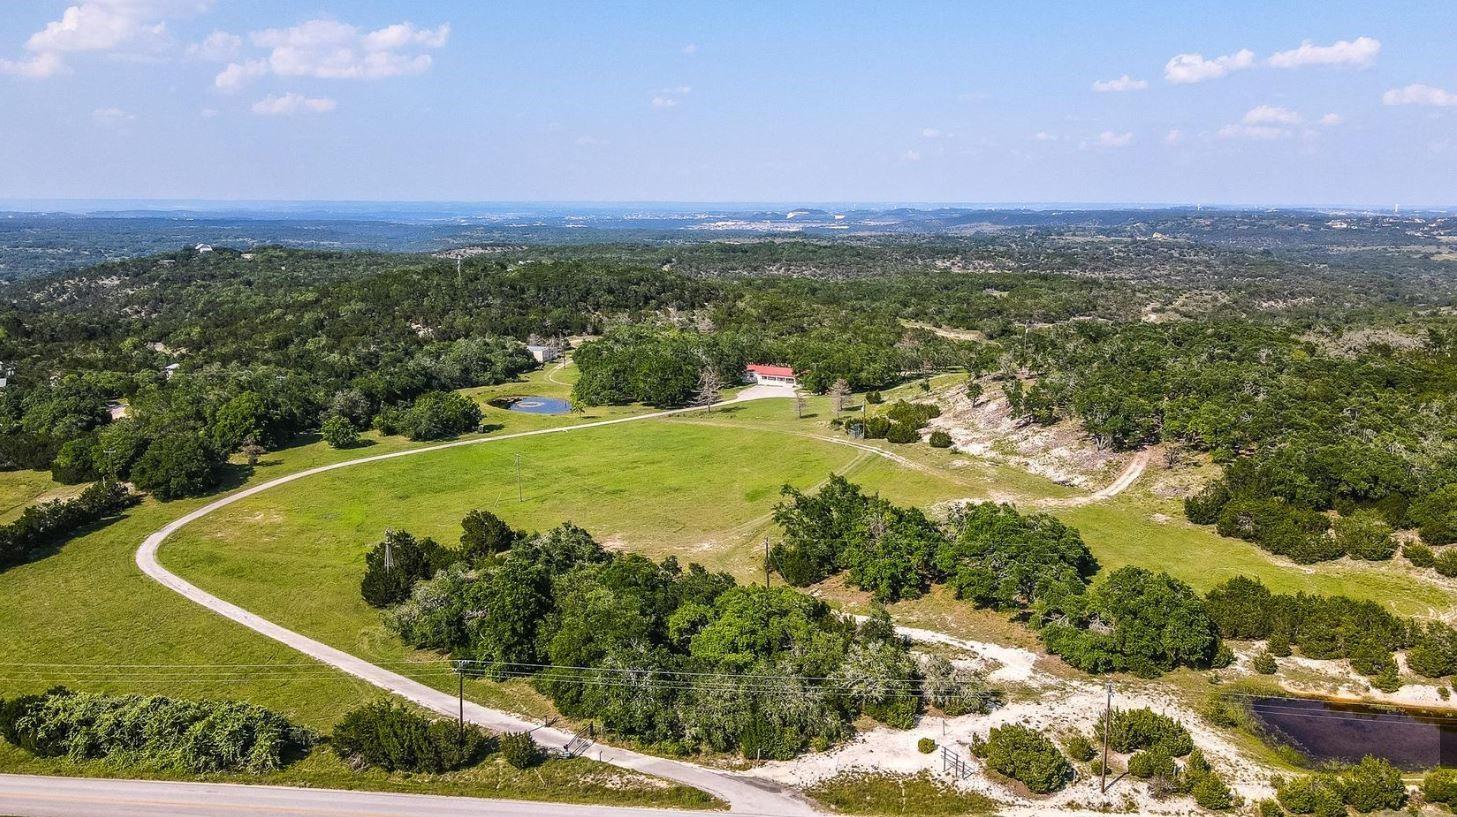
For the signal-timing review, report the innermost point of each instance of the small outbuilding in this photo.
(765, 374)
(543, 354)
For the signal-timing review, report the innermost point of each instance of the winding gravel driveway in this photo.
(743, 794)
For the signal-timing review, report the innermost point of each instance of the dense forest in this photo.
(1319, 374)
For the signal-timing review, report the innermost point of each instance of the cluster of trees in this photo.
(994, 556)
(51, 523)
(1134, 620)
(902, 423)
(686, 659)
(1371, 785)
(431, 416)
(153, 732)
(665, 365)
(388, 736)
(1332, 627)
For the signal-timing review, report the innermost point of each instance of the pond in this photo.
(531, 404)
(1345, 732)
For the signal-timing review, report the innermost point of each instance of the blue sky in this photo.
(1229, 102)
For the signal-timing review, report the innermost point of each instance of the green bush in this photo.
(901, 433)
(926, 746)
(1133, 729)
(1440, 786)
(1154, 762)
(1269, 807)
(432, 416)
(1026, 755)
(873, 398)
(1433, 652)
(176, 465)
(338, 432)
(1079, 748)
(1372, 785)
(939, 439)
(484, 534)
(390, 737)
(520, 750)
(392, 567)
(1435, 515)
(75, 462)
(1311, 795)
(1419, 554)
(1365, 534)
(1210, 792)
(1264, 663)
(876, 428)
(915, 415)
(1204, 507)
(1446, 562)
(153, 732)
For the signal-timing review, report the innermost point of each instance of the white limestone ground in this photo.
(1054, 705)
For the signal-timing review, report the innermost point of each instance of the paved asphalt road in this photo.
(28, 796)
(743, 794)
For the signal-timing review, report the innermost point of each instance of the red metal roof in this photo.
(771, 371)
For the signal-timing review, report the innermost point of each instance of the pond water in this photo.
(532, 404)
(1342, 732)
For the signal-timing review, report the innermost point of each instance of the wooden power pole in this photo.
(1107, 723)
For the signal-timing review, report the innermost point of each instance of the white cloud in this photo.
(112, 116)
(42, 65)
(1043, 136)
(1271, 115)
(208, 113)
(911, 156)
(1331, 119)
(237, 74)
(935, 133)
(1123, 83)
(1187, 68)
(219, 46)
(292, 103)
(1359, 52)
(1419, 94)
(121, 26)
(329, 49)
(1174, 137)
(1113, 139)
(670, 97)
(690, 49)
(589, 141)
(1260, 132)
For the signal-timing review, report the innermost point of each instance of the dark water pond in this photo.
(1331, 731)
(531, 404)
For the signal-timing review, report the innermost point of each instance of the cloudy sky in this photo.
(1228, 102)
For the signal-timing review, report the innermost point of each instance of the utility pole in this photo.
(389, 555)
(766, 563)
(460, 702)
(1107, 722)
(519, 496)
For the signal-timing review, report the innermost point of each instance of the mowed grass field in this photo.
(701, 492)
(87, 618)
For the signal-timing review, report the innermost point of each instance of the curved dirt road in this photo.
(744, 795)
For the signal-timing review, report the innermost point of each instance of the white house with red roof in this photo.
(765, 374)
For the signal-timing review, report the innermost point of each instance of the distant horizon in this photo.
(162, 205)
